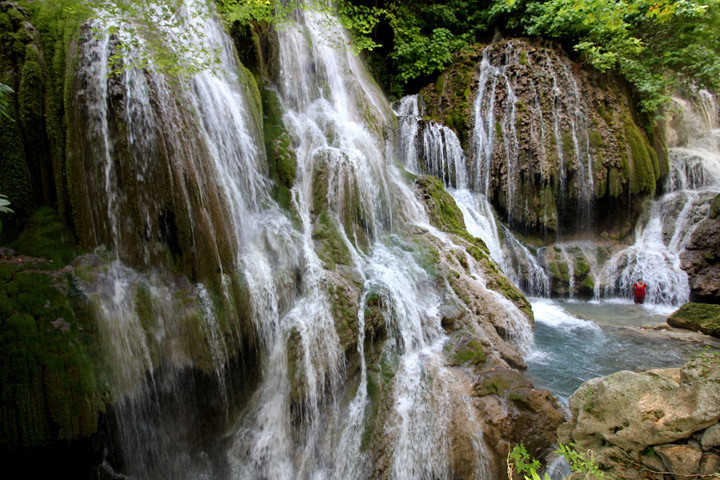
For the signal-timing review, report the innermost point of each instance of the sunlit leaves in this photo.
(655, 44)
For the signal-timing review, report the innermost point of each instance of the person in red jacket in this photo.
(639, 289)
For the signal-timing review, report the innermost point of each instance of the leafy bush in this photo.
(520, 461)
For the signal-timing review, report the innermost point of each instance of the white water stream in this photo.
(661, 236)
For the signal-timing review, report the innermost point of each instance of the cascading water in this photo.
(260, 285)
(198, 138)
(693, 181)
(435, 149)
(559, 137)
(339, 154)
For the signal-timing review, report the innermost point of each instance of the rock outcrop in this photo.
(555, 147)
(701, 317)
(651, 422)
(701, 258)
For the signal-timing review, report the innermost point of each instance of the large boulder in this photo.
(622, 415)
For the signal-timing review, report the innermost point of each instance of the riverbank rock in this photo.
(701, 317)
(639, 422)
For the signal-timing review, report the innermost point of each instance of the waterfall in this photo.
(216, 310)
(170, 168)
(556, 144)
(434, 149)
(660, 237)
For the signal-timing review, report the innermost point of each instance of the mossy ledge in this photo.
(445, 215)
(702, 317)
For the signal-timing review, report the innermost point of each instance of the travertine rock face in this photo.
(556, 148)
(620, 416)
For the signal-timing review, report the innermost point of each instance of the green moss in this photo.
(581, 265)
(31, 91)
(499, 136)
(444, 212)
(615, 183)
(645, 169)
(440, 84)
(704, 317)
(473, 354)
(715, 207)
(494, 386)
(144, 306)
(45, 236)
(282, 162)
(589, 283)
(48, 382)
(607, 116)
(596, 140)
(523, 58)
(331, 247)
(15, 178)
(380, 377)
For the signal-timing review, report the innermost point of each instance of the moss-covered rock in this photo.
(282, 162)
(444, 212)
(715, 208)
(48, 378)
(702, 317)
(330, 246)
(445, 215)
(559, 163)
(46, 236)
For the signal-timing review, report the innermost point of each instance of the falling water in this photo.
(661, 236)
(497, 113)
(435, 149)
(326, 96)
(204, 127)
(159, 330)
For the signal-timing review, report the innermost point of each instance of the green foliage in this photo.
(579, 461)
(519, 460)
(655, 44)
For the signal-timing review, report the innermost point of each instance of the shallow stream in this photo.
(579, 340)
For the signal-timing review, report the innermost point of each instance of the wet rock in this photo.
(699, 317)
(701, 261)
(545, 172)
(516, 412)
(710, 464)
